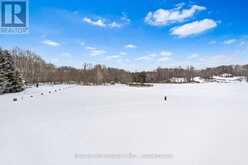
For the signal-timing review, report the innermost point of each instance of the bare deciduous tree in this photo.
(35, 70)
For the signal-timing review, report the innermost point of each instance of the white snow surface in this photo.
(201, 124)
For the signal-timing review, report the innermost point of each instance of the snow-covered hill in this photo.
(203, 124)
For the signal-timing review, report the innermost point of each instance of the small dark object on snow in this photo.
(165, 98)
(55, 90)
(31, 96)
(42, 93)
(15, 99)
(37, 85)
(49, 92)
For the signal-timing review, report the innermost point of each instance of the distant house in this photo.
(178, 80)
(226, 75)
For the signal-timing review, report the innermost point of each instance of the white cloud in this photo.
(51, 43)
(163, 17)
(165, 53)
(105, 23)
(130, 46)
(193, 56)
(115, 25)
(90, 48)
(231, 41)
(98, 22)
(113, 57)
(194, 28)
(125, 18)
(95, 51)
(180, 5)
(164, 56)
(160, 57)
(123, 53)
(163, 59)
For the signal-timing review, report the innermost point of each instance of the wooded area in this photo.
(35, 70)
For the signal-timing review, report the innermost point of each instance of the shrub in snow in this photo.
(10, 79)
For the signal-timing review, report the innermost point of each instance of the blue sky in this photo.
(138, 34)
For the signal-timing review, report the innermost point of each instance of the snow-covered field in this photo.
(201, 124)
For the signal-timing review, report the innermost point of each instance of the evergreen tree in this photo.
(10, 79)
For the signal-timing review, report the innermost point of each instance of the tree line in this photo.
(36, 70)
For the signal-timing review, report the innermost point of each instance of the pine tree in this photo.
(10, 79)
